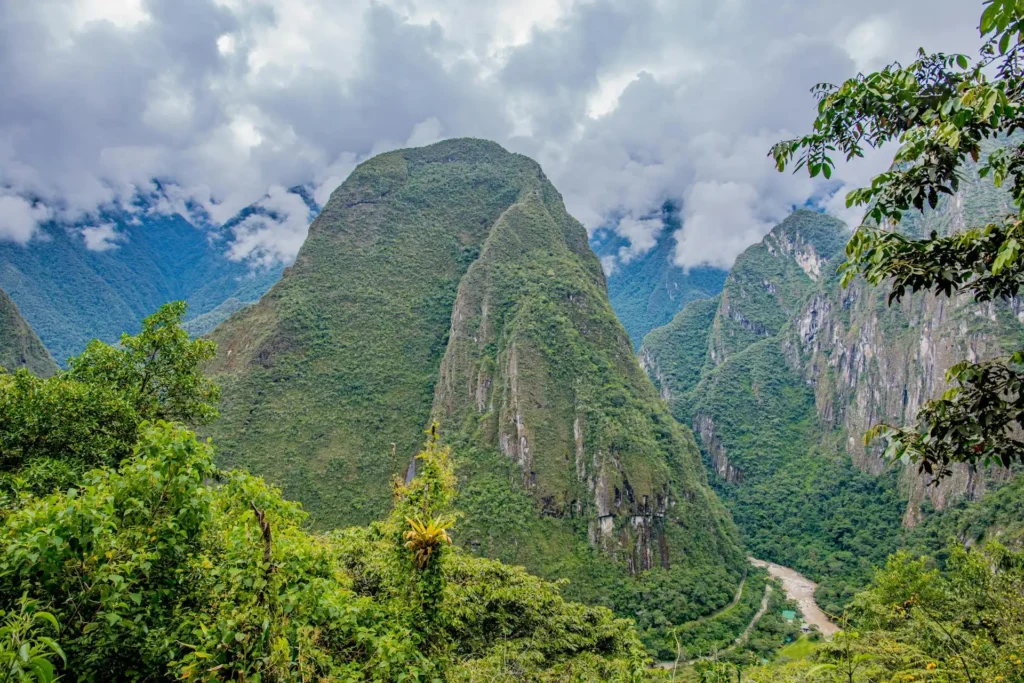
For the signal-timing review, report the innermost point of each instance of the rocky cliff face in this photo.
(871, 363)
(19, 345)
(867, 362)
(770, 280)
(448, 283)
(789, 351)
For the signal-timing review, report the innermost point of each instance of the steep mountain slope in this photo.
(796, 369)
(647, 290)
(767, 285)
(71, 294)
(449, 283)
(19, 345)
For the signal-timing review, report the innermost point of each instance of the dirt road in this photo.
(800, 589)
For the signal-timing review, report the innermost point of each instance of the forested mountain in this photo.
(646, 291)
(786, 370)
(71, 293)
(448, 283)
(19, 345)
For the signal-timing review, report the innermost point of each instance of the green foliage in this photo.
(676, 355)
(19, 345)
(961, 624)
(205, 323)
(717, 632)
(27, 655)
(156, 370)
(60, 418)
(53, 429)
(942, 109)
(998, 516)
(169, 568)
(448, 283)
(771, 631)
(800, 502)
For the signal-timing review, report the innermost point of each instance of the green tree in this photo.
(939, 110)
(156, 370)
(53, 429)
(25, 651)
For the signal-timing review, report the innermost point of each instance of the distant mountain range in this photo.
(76, 283)
(71, 293)
(647, 290)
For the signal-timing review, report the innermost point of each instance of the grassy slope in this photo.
(343, 358)
(19, 345)
(677, 372)
(339, 359)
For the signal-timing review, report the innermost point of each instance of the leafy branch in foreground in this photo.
(26, 654)
(939, 110)
(976, 421)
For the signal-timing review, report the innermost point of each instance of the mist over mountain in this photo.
(646, 286)
(99, 278)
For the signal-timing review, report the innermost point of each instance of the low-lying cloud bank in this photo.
(626, 103)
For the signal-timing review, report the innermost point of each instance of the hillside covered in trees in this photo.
(448, 284)
(782, 375)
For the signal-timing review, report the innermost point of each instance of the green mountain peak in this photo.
(449, 283)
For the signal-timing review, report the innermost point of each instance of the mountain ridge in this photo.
(448, 283)
(821, 365)
(20, 347)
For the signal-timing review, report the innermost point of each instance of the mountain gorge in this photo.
(648, 289)
(448, 284)
(783, 373)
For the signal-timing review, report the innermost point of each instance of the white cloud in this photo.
(642, 235)
(609, 264)
(19, 219)
(720, 220)
(102, 237)
(626, 103)
(274, 236)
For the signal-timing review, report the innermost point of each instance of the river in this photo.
(800, 589)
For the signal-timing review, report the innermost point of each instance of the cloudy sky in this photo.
(626, 103)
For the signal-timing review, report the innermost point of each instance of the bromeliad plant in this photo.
(424, 538)
(425, 503)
